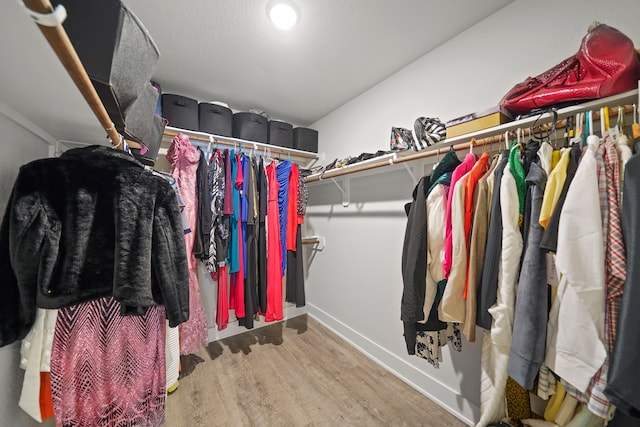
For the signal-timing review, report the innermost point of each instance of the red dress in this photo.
(274, 253)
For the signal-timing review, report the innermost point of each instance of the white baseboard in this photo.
(431, 387)
(235, 329)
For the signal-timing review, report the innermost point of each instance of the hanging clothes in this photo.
(615, 272)
(478, 243)
(262, 185)
(35, 359)
(530, 322)
(252, 238)
(549, 240)
(295, 274)
(274, 310)
(95, 216)
(487, 292)
(554, 189)
(436, 210)
(219, 235)
(247, 319)
(458, 173)
(452, 306)
(237, 300)
(575, 351)
(202, 240)
(222, 308)
(283, 171)
(623, 389)
(108, 369)
(495, 347)
(184, 159)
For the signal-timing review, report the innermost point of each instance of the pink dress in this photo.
(108, 369)
(274, 253)
(184, 159)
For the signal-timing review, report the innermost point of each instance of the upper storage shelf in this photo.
(482, 137)
(299, 156)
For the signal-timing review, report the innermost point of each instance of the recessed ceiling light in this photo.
(283, 15)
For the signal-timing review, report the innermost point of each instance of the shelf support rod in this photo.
(346, 191)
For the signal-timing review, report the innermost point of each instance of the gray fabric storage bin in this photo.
(280, 133)
(180, 111)
(305, 139)
(115, 49)
(153, 145)
(140, 117)
(215, 119)
(250, 126)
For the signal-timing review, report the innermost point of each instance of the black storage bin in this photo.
(305, 139)
(115, 49)
(280, 133)
(153, 145)
(250, 126)
(215, 119)
(180, 111)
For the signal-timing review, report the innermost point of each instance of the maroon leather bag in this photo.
(605, 65)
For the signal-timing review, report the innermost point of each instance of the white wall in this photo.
(355, 283)
(18, 147)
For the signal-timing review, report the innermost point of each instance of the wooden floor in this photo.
(294, 373)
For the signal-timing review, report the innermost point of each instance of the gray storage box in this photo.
(215, 119)
(115, 49)
(305, 139)
(280, 133)
(180, 111)
(250, 126)
(140, 117)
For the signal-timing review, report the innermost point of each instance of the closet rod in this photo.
(228, 141)
(60, 43)
(443, 149)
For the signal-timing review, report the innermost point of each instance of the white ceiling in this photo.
(227, 50)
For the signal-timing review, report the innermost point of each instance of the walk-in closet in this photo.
(303, 213)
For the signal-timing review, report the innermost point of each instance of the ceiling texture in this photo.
(228, 51)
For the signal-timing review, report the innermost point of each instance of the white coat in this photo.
(575, 348)
(436, 212)
(497, 342)
(453, 306)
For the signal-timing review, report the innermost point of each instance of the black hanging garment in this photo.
(623, 388)
(488, 290)
(262, 237)
(201, 243)
(295, 270)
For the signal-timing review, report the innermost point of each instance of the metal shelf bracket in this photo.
(346, 191)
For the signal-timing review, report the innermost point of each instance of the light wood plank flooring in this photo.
(294, 373)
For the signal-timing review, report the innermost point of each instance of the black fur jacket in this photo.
(92, 223)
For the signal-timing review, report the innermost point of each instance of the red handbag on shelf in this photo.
(606, 64)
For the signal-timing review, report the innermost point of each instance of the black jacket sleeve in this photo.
(414, 266)
(27, 238)
(169, 258)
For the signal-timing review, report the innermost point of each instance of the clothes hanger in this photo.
(593, 140)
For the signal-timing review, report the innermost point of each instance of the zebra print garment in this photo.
(219, 227)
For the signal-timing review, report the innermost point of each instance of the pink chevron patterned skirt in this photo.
(106, 369)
